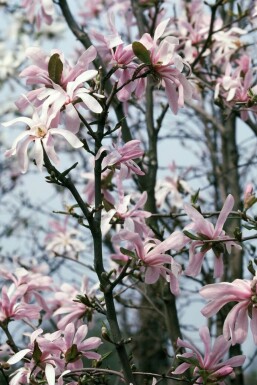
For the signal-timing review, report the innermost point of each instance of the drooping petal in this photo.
(69, 136)
(205, 337)
(22, 155)
(236, 324)
(48, 143)
(253, 324)
(18, 356)
(72, 121)
(152, 274)
(50, 374)
(38, 154)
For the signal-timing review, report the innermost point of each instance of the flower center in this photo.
(40, 131)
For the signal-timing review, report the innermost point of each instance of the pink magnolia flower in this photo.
(209, 368)
(67, 308)
(41, 134)
(71, 87)
(39, 10)
(31, 285)
(13, 307)
(91, 10)
(171, 189)
(235, 87)
(74, 345)
(152, 257)
(64, 241)
(122, 157)
(236, 324)
(167, 66)
(122, 57)
(133, 219)
(226, 42)
(206, 232)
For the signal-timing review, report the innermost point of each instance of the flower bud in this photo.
(249, 197)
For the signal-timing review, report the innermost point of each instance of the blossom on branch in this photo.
(166, 65)
(13, 306)
(152, 258)
(236, 323)
(207, 237)
(121, 157)
(64, 85)
(62, 241)
(41, 134)
(39, 11)
(208, 369)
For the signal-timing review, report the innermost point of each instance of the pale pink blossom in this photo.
(13, 306)
(31, 284)
(151, 255)
(133, 218)
(20, 376)
(171, 189)
(225, 42)
(211, 365)
(122, 57)
(71, 88)
(236, 323)
(76, 339)
(64, 241)
(51, 353)
(39, 11)
(167, 66)
(41, 134)
(122, 157)
(67, 310)
(90, 10)
(206, 232)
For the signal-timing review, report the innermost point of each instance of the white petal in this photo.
(90, 102)
(50, 374)
(69, 136)
(160, 29)
(18, 356)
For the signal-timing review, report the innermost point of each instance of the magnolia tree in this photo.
(141, 118)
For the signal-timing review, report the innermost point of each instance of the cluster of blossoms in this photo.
(208, 369)
(158, 59)
(48, 355)
(236, 87)
(63, 241)
(206, 237)
(63, 87)
(54, 354)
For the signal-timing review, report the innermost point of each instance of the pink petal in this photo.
(226, 209)
(253, 324)
(72, 120)
(151, 275)
(236, 324)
